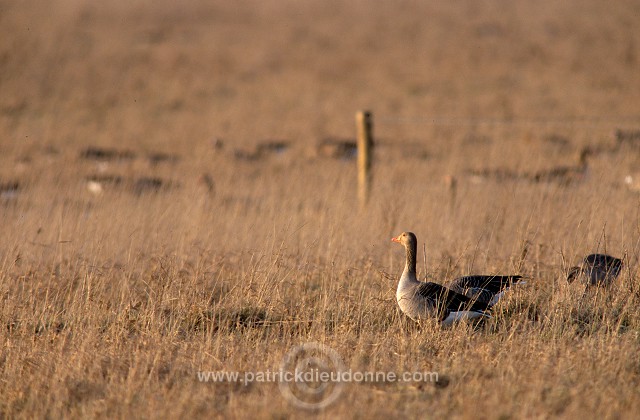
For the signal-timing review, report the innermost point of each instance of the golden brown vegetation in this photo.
(166, 209)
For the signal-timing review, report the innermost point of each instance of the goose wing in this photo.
(449, 300)
(489, 285)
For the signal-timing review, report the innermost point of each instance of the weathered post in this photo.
(364, 126)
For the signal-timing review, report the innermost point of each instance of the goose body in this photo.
(488, 289)
(424, 300)
(596, 270)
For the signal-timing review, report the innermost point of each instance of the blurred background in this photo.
(163, 74)
(246, 110)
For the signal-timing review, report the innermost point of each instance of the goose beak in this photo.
(395, 240)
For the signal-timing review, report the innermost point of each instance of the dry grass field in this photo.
(170, 205)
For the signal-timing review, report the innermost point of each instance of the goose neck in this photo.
(410, 265)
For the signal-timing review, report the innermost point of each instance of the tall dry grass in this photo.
(111, 303)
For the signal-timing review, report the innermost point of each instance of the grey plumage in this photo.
(596, 270)
(484, 288)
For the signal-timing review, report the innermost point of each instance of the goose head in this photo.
(407, 239)
(573, 273)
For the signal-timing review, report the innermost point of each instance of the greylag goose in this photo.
(486, 289)
(566, 174)
(423, 300)
(596, 270)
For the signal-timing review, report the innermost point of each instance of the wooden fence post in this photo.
(364, 126)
